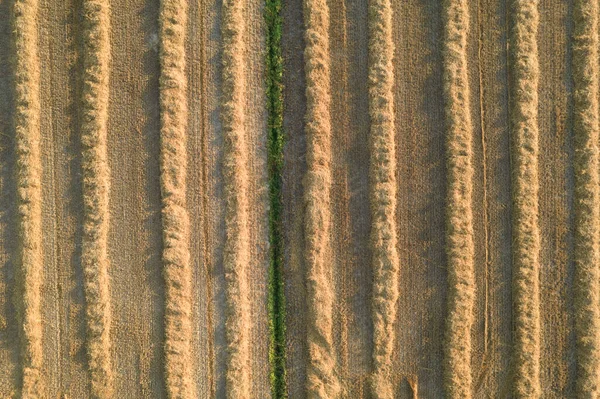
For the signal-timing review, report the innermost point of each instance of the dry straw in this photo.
(29, 192)
(94, 259)
(235, 172)
(175, 222)
(383, 189)
(587, 197)
(322, 381)
(459, 215)
(523, 92)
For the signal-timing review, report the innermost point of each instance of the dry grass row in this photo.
(523, 92)
(96, 182)
(235, 172)
(587, 197)
(383, 187)
(460, 248)
(175, 222)
(322, 380)
(28, 171)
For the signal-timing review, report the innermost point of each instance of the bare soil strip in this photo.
(322, 381)
(173, 165)
(29, 197)
(294, 272)
(96, 182)
(459, 217)
(236, 254)
(587, 197)
(383, 187)
(523, 91)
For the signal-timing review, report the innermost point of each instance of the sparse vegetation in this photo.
(274, 66)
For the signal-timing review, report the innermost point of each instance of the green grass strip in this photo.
(274, 64)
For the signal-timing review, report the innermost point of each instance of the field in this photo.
(299, 198)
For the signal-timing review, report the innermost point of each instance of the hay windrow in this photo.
(322, 381)
(523, 92)
(28, 171)
(175, 222)
(236, 256)
(460, 249)
(383, 190)
(96, 182)
(587, 196)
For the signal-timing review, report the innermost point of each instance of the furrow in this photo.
(322, 380)
(383, 188)
(460, 249)
(28, 171)
(523, 92)
(96, 182)
(587, 197)
(235, 172)
(175, 222)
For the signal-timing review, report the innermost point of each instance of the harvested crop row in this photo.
(235, 172)
(94, 258)
(29, 196)
(523, 92)
(587, 197)
(459, 215)
(322, 381)
(274, 65)
(175, 222)
(383, 189)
